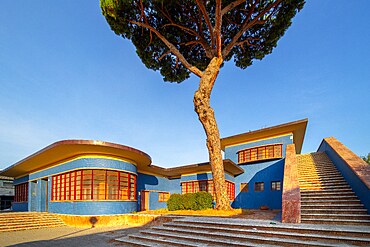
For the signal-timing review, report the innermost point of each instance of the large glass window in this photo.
(271, 151)
(93, 185)
(21, 193)
(206, 185)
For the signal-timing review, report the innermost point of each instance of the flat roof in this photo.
(62, 151)
(298, 128)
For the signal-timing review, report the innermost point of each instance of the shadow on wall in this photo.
(255, 199)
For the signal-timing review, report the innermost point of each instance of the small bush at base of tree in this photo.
(190, 201)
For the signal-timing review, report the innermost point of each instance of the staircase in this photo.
(26, 221)
(326, 198)
(216, 231)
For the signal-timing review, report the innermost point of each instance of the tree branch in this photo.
(172, 48)
(218, 28)
(231, 6)
(246, 25)
(208, 22)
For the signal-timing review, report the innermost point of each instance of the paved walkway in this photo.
(66, 236)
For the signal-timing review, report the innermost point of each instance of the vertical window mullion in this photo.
(92, 184)
(129, 185)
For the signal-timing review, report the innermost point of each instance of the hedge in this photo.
(190, 201)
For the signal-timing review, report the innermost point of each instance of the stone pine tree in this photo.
(197, 36)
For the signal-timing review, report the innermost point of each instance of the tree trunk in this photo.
(207, 118)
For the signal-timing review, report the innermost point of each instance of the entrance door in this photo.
(44, 195)
(144, 204)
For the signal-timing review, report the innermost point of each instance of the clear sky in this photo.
(65, 75)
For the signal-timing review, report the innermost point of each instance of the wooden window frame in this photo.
(196, 185)
(86, 188)
(163, 196)
(259, 153)
(21, 192)
(275, 185)
(257, 186)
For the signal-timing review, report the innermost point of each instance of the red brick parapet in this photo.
(291, 206)
(355, 163)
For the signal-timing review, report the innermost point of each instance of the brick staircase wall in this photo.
(352, 167)
(28, 220)
(291, 198)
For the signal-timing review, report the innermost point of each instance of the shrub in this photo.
(190, 201)
(175, 202)
(203, 200)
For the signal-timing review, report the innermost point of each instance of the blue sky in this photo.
(65, 75)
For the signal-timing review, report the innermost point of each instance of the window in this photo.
(21, 193)
(163, 196)
(259, 186)
(93, 185)
(243, 187)
(271, 151)
(206, 185)
(275, 185)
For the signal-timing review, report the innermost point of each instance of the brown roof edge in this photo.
(172, 172)
(264, 132)
(94, 143)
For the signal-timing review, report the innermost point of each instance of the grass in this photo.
(206, 212)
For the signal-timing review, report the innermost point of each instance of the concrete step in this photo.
(149, 241)
(318, 174)
(336, 216)
(347, 211)
(320, 205)
(305, 191)
(327, 230)
(323, 183)
(28, 227)
(329, 221)
(320, 177)
(270, 233)
(234, 239)
(337, 178)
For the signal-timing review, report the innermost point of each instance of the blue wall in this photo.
(259, 171)
(360, 189)
(20, 206)
(93, 207)
(156, 184)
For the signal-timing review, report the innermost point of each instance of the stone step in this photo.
(28, 227)
(212, 238)
(22, 223)
(325, 183)
(333, 210)
(336, 216)
(318, 174)
(323, 187)
(337, 178)
(321, 205)
(336, 221)
(270, 233)
(318, 169)
(323, 191)
(320, 177)
(200, 240)
(324, 198)
(332, 230)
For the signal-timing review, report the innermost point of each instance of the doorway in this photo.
(144, 203)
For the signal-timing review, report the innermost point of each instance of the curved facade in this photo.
(89, 179)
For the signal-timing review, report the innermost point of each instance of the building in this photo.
(82, 177)
(6, 192)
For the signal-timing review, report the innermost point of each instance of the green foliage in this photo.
(204, 200)
(175, 202)
(190, 201)
(366, 158)
(182, 24)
